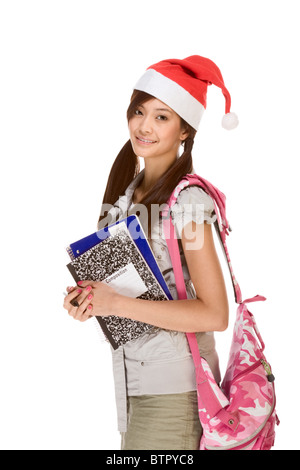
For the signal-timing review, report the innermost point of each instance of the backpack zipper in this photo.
(262, 362)
(249, 369)
(268, 370)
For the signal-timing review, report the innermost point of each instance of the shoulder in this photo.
(195, 195)
(192, 204)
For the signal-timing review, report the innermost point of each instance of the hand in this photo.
(83, 298)
(103, 298)
(94, 299)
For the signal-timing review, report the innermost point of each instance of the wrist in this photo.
(117, 305)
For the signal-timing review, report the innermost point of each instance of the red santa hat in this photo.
(182, 85)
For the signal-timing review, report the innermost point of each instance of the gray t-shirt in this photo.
(160, 361)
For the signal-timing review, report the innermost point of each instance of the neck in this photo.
(152, 173)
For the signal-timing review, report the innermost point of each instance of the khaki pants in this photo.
(163, 422)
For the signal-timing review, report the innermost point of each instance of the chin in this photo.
(144, 153)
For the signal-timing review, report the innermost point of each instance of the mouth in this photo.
(145, 141)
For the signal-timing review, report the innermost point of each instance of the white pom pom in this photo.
(230, 121)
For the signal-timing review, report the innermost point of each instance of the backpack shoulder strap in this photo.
(211, 396)
(221, 225)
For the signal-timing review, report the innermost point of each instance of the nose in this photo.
(145, 125)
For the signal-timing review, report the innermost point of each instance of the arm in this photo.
(208, 312)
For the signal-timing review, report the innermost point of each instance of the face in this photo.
(155, 131)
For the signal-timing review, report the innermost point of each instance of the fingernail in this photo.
(79, 291)
(90, 307)
(90, 297)
(88, 288)
(79, 283)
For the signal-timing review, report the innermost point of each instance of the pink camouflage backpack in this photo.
(239, 415)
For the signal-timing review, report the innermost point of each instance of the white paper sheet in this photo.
(127, 281)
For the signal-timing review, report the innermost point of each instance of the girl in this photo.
(154, 375)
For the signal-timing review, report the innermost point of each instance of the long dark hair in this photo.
(126, 166)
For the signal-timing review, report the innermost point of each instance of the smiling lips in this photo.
(145, 141)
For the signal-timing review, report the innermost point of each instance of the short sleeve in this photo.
(193, 204)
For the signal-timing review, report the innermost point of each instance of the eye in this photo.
(161, 117)
(137, 112)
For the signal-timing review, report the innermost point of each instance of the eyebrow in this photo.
(159, 109)
(163, 109)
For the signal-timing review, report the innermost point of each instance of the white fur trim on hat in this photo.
(173, 95)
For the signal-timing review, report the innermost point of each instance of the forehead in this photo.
(156, 105)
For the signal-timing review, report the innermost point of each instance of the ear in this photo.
(184, 134)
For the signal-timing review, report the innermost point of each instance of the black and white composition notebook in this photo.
(127, 264)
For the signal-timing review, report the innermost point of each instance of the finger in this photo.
(79, 315)
(82, 312)
(70, 289)
(72, 311)
(71, 297)
(84, 294)
(87, 283)
(87, 314)
(89, 311)
(83, 317)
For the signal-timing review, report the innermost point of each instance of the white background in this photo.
(67, 72)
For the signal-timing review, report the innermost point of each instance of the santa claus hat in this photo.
(182, 85)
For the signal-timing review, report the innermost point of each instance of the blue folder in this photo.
(136, 231)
